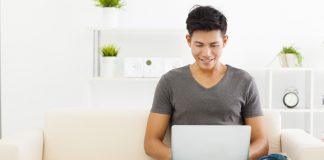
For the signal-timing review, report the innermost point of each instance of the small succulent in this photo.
(292, 50)
(110, 3)
(109, 51)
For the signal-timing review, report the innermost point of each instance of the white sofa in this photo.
(103, 134)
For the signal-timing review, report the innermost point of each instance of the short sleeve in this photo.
(252, 106)
(162, 98)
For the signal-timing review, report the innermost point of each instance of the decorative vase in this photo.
(110, 17)
(288, 60)
(107, 67)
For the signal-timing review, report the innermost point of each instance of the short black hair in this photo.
(206, 18)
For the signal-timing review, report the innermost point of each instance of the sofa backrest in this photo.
(95, 134)
(105, 134)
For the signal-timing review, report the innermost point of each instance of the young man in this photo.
(206, 92)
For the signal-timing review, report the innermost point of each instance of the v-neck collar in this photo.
(213, 86)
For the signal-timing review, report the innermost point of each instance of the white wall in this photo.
(45, 58)
(256, 28)
(47, 49)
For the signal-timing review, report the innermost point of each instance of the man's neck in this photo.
(218, 69)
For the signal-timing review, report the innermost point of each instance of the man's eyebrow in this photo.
(216, 42)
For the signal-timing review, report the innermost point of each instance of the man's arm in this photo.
(157, 126)
(259, 143)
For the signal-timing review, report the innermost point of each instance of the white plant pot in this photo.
(288, 60)
(110, 16)
(107, 67)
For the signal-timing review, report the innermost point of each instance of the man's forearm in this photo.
(158, 150)
(258, 148)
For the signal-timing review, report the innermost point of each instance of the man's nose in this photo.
(207, 53)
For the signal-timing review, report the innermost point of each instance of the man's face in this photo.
(206, 47)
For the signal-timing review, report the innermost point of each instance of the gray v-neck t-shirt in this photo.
(232, 99)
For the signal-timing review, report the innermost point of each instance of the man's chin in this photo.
(206, 66)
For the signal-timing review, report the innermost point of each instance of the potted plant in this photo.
(108, 60)
(290, 57)
(110, 11)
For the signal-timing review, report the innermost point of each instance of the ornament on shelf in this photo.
(290, 98)
(149, 66)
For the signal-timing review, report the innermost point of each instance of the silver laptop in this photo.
(210, 142)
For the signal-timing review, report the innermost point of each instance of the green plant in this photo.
(292, 50)
(110, 3)
(109, 51)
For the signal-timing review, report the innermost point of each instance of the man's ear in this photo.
(225, 39)
(188, 38)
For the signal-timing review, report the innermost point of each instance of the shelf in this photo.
(290, 110)
(281, 69)
(138, 42)
(318, 110)
(292, 69)
(135, 30)
(123, 79)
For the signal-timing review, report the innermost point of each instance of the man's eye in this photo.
(199, 45)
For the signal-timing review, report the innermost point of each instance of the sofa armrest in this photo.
(27, 145)
(299, 145)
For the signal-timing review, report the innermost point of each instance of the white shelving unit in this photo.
(271, 82)
(149, 40)
(309, 113)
